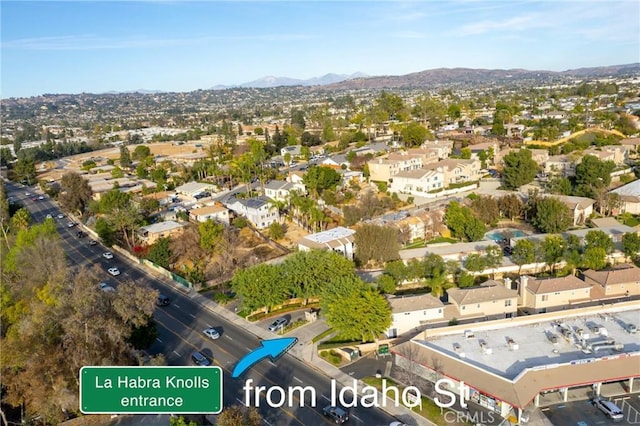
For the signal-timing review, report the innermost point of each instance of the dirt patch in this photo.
(292, 235)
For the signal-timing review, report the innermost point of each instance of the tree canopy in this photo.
(519, 169)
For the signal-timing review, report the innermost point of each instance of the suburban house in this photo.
(382, 169)
(457, 171)
(633, 144)
(629, 197)
(621, 280)
(216, 212)
(296, 177)
(443, 148)
(337, 160)
(429, 155)
(581, 207)
(168, 229)
(485, 146)
(278, 189)
(375, 148)
(540, 156)
(351, 176)
(491, 300)
(540, 295)
(561, 165)
(163, 197)
(191, 189)
(417, 182)
(292, 150)
(340, 240)
(413, 311)
(602, 155)
(257, 210)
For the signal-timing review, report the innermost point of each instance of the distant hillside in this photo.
(468, 76)
(271, 81)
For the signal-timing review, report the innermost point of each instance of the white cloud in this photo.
(518, 23)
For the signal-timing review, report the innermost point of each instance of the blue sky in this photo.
(86, 46)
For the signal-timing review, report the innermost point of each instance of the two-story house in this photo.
(457, 171)
(413, 311)
(581, 207)
(537, 295)
(258, 210)
(560, 165)
(619, 281)
(417, 182)
(491, 300)
(382, 169)
(278, 189)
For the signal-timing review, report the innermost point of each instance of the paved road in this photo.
(180, 328)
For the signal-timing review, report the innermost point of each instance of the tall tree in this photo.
(261, 286)
(592, 176)
(125, 157)
(524, 252)
(631, 244)
(356, 310)
(597, 238)
(519, 169)
(553, 248)
(510, 206)
(75, 193)
(376, 243)
(552, 216)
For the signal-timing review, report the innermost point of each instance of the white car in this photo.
(41, 198)
(212, 333)
(70, 224)
(60, 216)
(49, 216)
(114, 271)
(107, 255)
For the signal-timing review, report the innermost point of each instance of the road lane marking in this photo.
(240, 401)
(159, 340)
(265, 420)
(192, 315)
(270, 362)
(176, 353)
(357, 418)
(296, 379)
(326, 397)
(228, 337)
(176, 305)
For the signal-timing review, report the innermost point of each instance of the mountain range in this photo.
(271, 81)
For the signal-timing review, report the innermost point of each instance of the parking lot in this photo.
(573, 413)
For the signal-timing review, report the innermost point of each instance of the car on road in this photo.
(41, 198)
(34, 199)
(93, 242)
(70, 224)
(278, 324)
(49, 216)
(106, 287)
(337, 414)
(163, 300)
(114, 271)
(107, 255)
(27, 194)
(212, 333)
(81, 234)
(60, 216)
(199, 359)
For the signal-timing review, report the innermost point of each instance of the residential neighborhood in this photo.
(434, 234)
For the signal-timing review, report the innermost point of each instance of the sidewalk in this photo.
(304, 350)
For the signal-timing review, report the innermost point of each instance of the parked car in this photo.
(278, 324)
(107, 255)
(631, 328)
(212, 333)
(610, 409)
(114, 271)
(199, 359)
(337, 414)
(163, 300)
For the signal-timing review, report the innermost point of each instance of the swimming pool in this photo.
(501, 234)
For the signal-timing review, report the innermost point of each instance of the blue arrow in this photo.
(272, 348)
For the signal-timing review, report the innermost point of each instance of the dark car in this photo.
(163, 300)
(338, 414)
(81, 234)
(199, 359)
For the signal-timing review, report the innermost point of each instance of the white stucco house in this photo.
(413, 311)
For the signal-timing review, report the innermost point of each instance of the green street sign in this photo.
(143, 390)
(383, 350)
